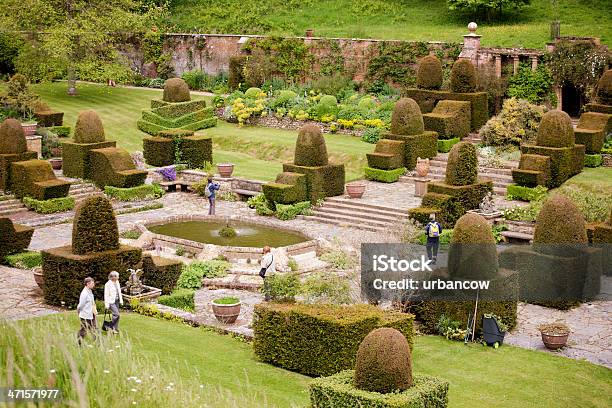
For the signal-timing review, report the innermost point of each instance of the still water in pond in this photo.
(246, 235)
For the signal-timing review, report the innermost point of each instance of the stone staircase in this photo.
(79, 191)
(345, 212)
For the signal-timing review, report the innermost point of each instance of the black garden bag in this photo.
(106, 324)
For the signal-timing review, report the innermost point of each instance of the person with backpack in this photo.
(433, 229)
(210, 193)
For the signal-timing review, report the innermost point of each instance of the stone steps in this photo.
(354, 214)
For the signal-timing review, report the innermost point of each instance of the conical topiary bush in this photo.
(429, 74)
(95, 227)
(472, 253)
(462, 165)
(556, 130)
(407, 118)
(463, 76)
(384, 362)
(176, 90)
(88, 128)
(12, 137)
(310, 148)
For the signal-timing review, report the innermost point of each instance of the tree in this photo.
(484, 8)
(72, 36)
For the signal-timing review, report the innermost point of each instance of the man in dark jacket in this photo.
(433, 229)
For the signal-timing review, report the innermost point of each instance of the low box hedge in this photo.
(161, 273)
(565, 162)
(321, 181)
(424, 146)
(24, 260)
(183, 299)
(196, 151)
(470, 196)
(15, 237)
(49, 118)
(445, 145)
(138, 193)
(338, 391)
(76, 158)
(50, 206)
(36, 179)
(593, 160)
(522, 193)
(319, 340)
(384, 176)
(421, 214)
(158, 151)
(5, 166)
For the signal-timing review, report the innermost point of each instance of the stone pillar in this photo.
(516, 63)
(34, 144)
(498, 66)
(559, 92)
(534, 62)
(471, 45)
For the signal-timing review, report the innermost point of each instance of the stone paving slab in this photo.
(21, 296)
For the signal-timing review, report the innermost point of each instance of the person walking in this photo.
(433, 229)
(210, 193)
(113, 299)
(87, 311)
(268, 268)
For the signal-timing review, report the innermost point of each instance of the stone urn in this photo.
(226, 309)
(355, 190)
(56, 163)
(29, 128)
(422, 167)
(38, 276)
(225, 169)
(554, 335)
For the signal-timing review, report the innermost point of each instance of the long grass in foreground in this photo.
(44, 354)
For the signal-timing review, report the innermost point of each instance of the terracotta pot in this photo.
(226, 314)
(422, 167)
(225, 169)
(309, 33)
(56, 163)
(355, 190)
(554, 341)
(29, 128)
(38, 276)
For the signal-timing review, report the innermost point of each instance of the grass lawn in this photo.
(257, 152)
(421, 20)
(479, 376)
(599, 177)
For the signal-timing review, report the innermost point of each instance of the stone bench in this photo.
(171, 186)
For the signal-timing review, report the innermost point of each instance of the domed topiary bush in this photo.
(252, 93)
(384, 362)
(463, 77)
(176, 90)
(407, 118)
(89, 128)
(95, 227)
(604, 88)
(560, 222)
(12, 137)
(310, 148)
(429, 74)
(472, 253)
(462, 165)
(556, 130)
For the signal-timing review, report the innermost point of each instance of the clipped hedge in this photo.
(338, 391)
(36, 179)
(565, 162)
(162, 273)
(319, 339)
(143, 192)
(64, 271)
(287, 189)
(469, 196)
(421, 214)
(49, 118)
(406, 118)
(115, 167)
(384, 176)
(5, 166)
(604, 88)
(236, 73)
(12, 137)
(15, 237)
(463, 76)
(76, 158)
(24, 260)
(61, 131)
(445, 145)
(88, 128)
(322, 181)
(462, 165)
(424, 145)
(388, 155)
(94, 227)
(556, 130)
(183, 299)
(479, 104)
(593, 160)
(52, 205)
(450, 208)
(522, 193)
(429, 73)
(592, 130)
(176, 90)
(310, 147)
(158, 151)
(196, 151)
(449, 119)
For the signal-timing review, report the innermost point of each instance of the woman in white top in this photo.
(268, 268)
(113, 298)
(87, 310)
